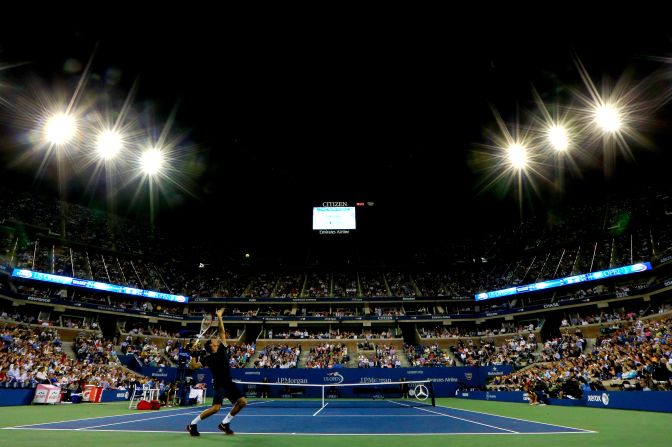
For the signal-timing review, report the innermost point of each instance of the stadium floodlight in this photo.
(108, 144)
(151, 161)
(608, 118)
(517, 155)
(557, 136)
(60, 129)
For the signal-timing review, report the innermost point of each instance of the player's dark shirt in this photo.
(218, 362)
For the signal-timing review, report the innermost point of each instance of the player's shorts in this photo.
(228, 390)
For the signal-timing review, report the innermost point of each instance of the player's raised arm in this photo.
(220, 322)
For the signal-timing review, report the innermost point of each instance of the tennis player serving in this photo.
(217, 360)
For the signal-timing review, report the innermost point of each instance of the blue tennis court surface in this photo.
(308, 418)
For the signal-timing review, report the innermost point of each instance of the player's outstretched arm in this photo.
(220, 322)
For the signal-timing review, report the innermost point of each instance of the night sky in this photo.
(278, 118)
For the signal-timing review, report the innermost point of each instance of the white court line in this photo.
(143, 419)
(137, 420)
(517, 419)
(97, 417)
(456, 417)
(333, 416)
(325, 406)
(433, 414)
(199, 409)
(339, 416)
(317, 434)
(443, 414)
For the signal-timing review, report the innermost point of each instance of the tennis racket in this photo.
(206, 324)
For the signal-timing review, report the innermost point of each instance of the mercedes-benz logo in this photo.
(421, 392)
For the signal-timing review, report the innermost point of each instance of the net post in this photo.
(323, 387)
(430, 387)
(132, 397)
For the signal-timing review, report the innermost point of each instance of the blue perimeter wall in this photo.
(24, 396)
(625, 400)
(445, 380)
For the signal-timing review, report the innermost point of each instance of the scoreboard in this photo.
(336, 217)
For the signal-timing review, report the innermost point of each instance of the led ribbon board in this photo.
(636, 268)
(101, 286)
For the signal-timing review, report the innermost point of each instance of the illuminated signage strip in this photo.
(636, 268)
(104, 287)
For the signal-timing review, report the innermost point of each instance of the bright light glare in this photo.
(108, 144)
(60, 129)
(608, 118)
(557, 136)
(517, 156)
(151, 161)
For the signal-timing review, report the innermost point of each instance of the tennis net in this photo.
(399, 393)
